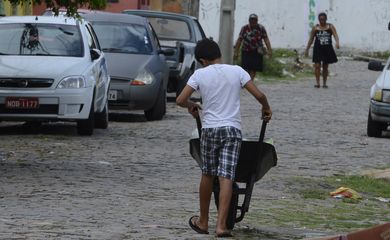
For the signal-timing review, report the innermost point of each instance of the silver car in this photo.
(52, 69)
(136, 63)
(379, 112)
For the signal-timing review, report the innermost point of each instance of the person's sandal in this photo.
(325, 86)
(317, 86)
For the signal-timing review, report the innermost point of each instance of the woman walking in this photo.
(323, 52)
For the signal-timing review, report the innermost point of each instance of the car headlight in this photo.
(143, 78)
(378, 95)
(72, 82)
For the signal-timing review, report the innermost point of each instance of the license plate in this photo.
(21, 103)
(112, 95)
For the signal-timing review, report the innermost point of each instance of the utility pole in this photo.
(226, 31)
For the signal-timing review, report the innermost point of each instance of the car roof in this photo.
(114, 17)
(151, 13)
(40, 19)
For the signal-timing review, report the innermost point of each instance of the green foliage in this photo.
(70, 5)
(381, 55)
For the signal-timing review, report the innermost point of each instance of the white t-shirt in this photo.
(219, 86)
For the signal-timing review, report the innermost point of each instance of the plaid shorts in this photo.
(220, 149)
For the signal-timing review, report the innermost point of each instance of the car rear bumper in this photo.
(54, 104)
(380, 111)
(133, 97)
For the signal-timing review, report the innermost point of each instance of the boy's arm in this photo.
(183, 101)
(261, 98)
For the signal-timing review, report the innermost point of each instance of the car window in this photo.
(92, 39)
(123, 37)
(170, 29)
(40, 39)
(199, 31)
(154, 36)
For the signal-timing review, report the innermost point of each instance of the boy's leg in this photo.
(205, 191)
(225, 195)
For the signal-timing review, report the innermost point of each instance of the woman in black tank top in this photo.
(323, 52)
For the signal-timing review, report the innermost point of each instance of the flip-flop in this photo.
(317, 86)
(325, 86)
(195, 227)
(224, 235)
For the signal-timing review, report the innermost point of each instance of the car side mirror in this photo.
(375, 66)
(166, 52)
(95, 54)
(388, 27)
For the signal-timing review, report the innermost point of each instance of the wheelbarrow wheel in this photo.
(231, 219)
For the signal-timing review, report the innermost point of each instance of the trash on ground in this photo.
(344, 192)
(381, 199)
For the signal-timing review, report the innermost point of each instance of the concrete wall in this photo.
(361, 24)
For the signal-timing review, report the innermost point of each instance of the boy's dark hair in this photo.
(207, 49)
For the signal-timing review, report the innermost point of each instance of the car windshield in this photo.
(170, 29)
(40, 39)
(123, 38)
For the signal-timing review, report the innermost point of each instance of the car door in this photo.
(99, 70)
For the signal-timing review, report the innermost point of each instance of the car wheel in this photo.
(101, 119)
(374, 128)
(85, 127)
(158, 110)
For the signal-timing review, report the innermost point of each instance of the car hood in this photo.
(126, 65)
(41, 66)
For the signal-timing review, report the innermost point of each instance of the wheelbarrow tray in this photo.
(248, 161)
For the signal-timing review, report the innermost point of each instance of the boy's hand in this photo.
(266, 114)
(193, 109)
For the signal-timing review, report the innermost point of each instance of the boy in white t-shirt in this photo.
(219, 86)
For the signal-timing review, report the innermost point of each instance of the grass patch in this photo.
(363, 184)
(381, 55)
(282, 66)
(310, 206)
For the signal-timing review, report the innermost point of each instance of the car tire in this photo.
(85, 127)
(374, 128)
(101, 119)
(158, 110)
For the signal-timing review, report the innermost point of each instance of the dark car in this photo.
(179, 32)
(136, 62)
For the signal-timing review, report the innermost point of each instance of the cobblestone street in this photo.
(137, 180)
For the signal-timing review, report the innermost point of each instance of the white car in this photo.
(52, 69)
(379, 113)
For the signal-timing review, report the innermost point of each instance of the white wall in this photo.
(361, 24)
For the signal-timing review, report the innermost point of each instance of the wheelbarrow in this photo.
(255, 160)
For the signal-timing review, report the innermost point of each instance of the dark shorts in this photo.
(220, 148)
(252, 61)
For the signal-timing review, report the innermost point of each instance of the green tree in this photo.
(70, 5)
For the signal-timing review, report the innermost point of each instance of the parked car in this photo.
(63, 12)
(52, 69)
(379, 112)
(178, 32)
(136, 63)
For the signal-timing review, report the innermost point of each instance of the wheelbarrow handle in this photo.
(199, 125)
(262, 131)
